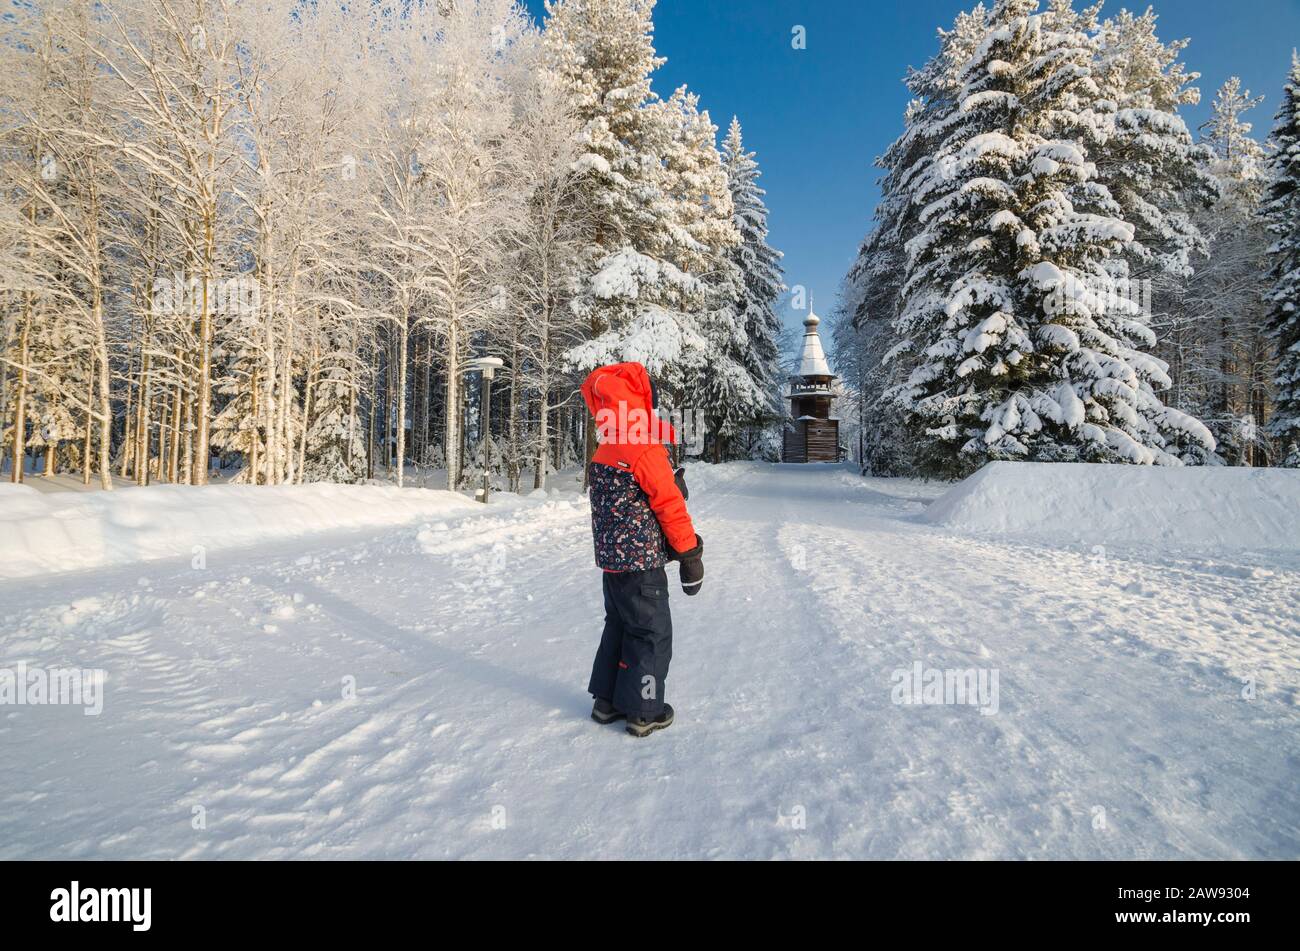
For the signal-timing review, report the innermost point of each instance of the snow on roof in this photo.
(813, 361)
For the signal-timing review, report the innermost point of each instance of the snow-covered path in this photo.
(1120, 731)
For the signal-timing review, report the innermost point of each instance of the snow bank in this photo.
(43, 533)
(1178, 508)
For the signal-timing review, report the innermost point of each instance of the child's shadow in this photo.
(546, 693)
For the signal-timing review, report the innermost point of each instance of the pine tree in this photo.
(1283, 214)
(872, 295)
(704, 240)
(757, 327)
(58, 377)
(1148, 160)
(650, 306)
(656, 270)
(335, 447)
(1030, 350)
(602, 52)
(631, 294)
(695, 184)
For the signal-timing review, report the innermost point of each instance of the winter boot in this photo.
(640, 727)
(604, 713)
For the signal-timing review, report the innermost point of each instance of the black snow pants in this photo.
(637, 645)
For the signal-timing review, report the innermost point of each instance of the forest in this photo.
(1060, 270)
(271, 242)
(268, 241)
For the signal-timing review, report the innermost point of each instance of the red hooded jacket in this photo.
(635, 502)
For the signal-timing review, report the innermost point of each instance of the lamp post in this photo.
(488, 366)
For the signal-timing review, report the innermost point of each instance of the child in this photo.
(639, 522)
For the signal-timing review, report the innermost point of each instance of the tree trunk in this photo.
(543, 439)
(370, 428)
(401, 397)
(286, 418)
(352, 426)
(255, 438)
(266, 406)
(451, 411)
(142, 423)
(187, 445)
(100, 358)
(174, 437)
(513, 466)
(203, 395)
(308, 395)
(203, 407)
(90, 423)
(128, 416)
(20, 400)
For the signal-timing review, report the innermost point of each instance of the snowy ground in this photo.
(1120, 730)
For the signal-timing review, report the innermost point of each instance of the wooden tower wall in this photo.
(812, 440)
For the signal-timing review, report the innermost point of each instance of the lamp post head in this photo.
(488, 366)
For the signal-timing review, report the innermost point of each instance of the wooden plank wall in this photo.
(811, 440)
(794, 449)
(823, 440)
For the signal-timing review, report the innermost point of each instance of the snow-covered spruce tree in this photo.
(336, 450)
(669, 301)
(867, 348)
(849, 353)
(1283, 215)
(872, 294)
(59, 379)
(656, 273)
(1147, 158)
(705, 238)
(238, 426)
(695, 188)
(633, 294)
(602, 52)
(243, 425)
(644, 299)
(1028, 351)
(751, 406)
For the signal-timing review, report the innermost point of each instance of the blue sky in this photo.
(819, 117)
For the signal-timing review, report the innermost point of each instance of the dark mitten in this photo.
(692, 567)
